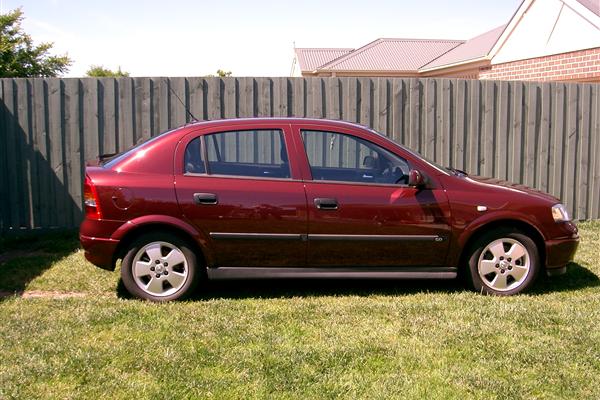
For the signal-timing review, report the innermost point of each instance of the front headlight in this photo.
(560, 213)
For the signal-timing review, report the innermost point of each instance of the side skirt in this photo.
(333, 273)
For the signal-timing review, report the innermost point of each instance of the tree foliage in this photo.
(221, 73)
(19, 57)
(100, 71)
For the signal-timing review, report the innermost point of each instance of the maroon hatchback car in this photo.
(291, 197)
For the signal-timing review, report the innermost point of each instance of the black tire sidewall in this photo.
(191, 258)
(475, 251)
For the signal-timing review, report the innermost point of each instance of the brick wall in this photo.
(583, 65)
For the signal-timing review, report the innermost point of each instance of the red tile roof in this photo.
(311, 59)
(392, 55)
(474, 48)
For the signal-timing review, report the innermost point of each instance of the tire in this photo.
(160, 267)
(493, 271)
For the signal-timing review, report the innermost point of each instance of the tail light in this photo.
(91, 200)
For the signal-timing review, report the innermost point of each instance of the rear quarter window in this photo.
(193, 161)
(122, 156)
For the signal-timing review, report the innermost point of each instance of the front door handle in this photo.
(326, 204)
(205, 198)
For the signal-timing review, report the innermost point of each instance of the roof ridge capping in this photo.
(421, 40)
(323, 48)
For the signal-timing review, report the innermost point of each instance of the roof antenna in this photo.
(188, 112)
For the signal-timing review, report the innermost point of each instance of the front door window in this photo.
(344, 158)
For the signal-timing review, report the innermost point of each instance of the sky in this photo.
(249, 38)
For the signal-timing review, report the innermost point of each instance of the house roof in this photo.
(472, 49)
(391, 55)
(592, 5)
(418, 55)
(311, 59)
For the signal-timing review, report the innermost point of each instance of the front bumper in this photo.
(99, 251)
(559, 252)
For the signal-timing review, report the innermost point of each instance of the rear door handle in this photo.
(326, 204)
(205, 198)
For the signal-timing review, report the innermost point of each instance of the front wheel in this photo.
(160, 267)
(503, 262)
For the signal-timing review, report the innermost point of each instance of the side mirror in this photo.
(415, 178)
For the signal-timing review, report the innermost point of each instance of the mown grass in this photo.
(298, 339)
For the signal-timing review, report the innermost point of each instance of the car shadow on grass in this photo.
(577, 277)
(25, 257)
(303, 287)
(286, 288)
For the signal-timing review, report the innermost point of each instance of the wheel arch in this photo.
(523, 226)
(133, 229)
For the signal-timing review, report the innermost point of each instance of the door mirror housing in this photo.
(415, 178)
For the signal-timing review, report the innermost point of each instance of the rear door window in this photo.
(252, 153)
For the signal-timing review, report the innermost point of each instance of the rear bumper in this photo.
(559, 252)
(99, 251)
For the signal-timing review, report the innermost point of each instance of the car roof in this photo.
(286, 120)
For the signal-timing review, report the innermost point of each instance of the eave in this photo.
(456, 67)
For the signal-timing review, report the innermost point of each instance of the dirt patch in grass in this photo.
(46, 294)
(51, 294)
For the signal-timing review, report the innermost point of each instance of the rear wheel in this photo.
(503, 262)
(160, 267)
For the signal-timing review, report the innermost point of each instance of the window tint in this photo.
(260, 153)
(339, 157)
(193, 158)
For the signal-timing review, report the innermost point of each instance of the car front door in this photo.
(238, 186)
(362, 212)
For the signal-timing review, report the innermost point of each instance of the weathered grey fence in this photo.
(542, 134)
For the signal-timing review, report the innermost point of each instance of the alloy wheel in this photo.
(504, 264)
(160, 269)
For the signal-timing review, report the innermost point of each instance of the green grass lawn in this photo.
(292, 339)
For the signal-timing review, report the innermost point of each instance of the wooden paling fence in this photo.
(545, 135)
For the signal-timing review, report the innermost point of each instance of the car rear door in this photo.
(239, 186)
(358, 214)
